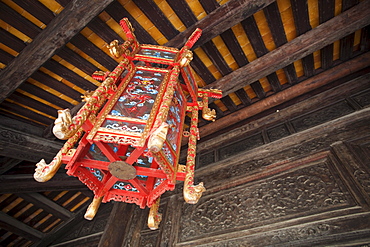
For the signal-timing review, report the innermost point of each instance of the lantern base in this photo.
(122, 170)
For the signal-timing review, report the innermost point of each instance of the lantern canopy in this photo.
(124, 143)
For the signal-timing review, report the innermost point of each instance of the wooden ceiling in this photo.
(262, 54)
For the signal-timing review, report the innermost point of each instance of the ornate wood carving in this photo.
(299, 193)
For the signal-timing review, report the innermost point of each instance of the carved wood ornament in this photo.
(124, 143)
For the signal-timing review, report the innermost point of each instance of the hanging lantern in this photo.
(124, 143)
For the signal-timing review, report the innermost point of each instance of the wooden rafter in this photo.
(48, 205)
(220, 20)
(59, 31)
(25, 183)
(325, 34)
(13, 225)
(306, 86)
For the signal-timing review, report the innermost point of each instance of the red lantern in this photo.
(124, 143)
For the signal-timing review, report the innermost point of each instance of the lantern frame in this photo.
(131, 154)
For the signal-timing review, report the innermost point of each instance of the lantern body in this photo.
(121, 132)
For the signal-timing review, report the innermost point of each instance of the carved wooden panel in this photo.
(300, 192)
(278, 132)
(149, 239)
(240, 146)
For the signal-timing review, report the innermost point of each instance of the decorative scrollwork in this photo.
(44, 172)
(185, 57)
(207, 113)
(62, 123)
(192, 193)
(115, 49)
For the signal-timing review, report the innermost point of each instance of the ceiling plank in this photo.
(217, 59)
(11, 41)
(55, 84)
(276, 26)
(302, 23)
(18, 21)
(29, 102)
(59, 31)
(313, 40)
(11, 224)
(202, 70)
(69, 75)
(220, 20)
(346, 43)
(77, 61)
(62, 229)
(117, 12)
(41, 93)
(326, 12)
(183, 11)
(228, 36)
(154, 13)
(48, 205)
(84, 44)
(25, 112)
(37, 9)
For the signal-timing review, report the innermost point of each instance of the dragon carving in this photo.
(62, 123)
(44, 172)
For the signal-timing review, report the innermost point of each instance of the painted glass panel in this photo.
(124, 126)
(157, 53)
(96, 154)
(138, 98)
(189, 78)
(136, 101)
(168, 153)
(174, 119)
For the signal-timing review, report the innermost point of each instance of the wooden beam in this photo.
(47, 204)
(313, 40)
(117, 225)
(25, 183)
(220, 20)
(17, 227)
(338, 90)
(7, 163)
(20, 145)
(306, 86)
(59, 31)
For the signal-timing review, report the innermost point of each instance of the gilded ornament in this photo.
(192, 193)
(154, 217)
(93, 208)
